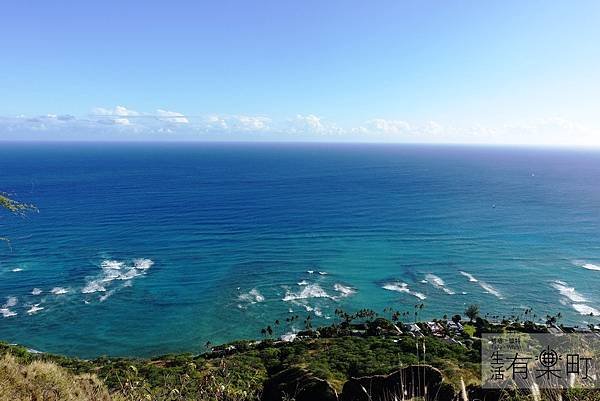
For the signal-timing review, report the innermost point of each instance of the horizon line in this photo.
(299, 142)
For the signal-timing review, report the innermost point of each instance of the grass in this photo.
(40, 380)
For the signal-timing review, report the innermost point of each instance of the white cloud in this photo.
(123, 123)
(121, 111)
(172, 117)
(311, 124)
(116, 116)
(310, 121)
(253, 122)
(388, 127)
(237, 123)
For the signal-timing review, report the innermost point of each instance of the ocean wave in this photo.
(403, 287)
(5, 310)
(10, 302)
(59, 290)
(584, 309)
(323, 273)
(590, 266)
(17, 269)
(469, 276)
(93, 286)
(303, 282)
(568, 292)
(112, 270)
(142, 263)
(34, 309)
(36, 291)
(310, 271)
(288, 337)
(485, 286)
(253, 296)
(309, 291)
(490, 289)
(345, 291)
(437, 282)
(112, 264)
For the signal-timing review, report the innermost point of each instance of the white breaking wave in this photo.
(490, 289)
(10, 302)
(403, 287)
(59, 290)
(35, 309)
(437, 282)
(106, 295)
(345, 291)
(323, 273)
(309, 291)
(253, 296)
(116, 270)
(17, 269)
(310, 271)
(469, 276)
(590, 266)
(112, 264)
(93, 286)
(289, 337)
(303, 282)
(5, 310)
(36, 291)
(143, 263)
(578, 301)
(584, 309)
(486, 287)
(568, 292)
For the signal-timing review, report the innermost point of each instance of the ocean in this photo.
(148, 249)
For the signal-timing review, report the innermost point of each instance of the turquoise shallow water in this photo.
(144, 249)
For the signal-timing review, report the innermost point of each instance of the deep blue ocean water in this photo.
(145, 249)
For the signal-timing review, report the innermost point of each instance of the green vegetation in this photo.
(472, 312)
(469, 330)
(238, 371)
(360, 345)
(14, 206)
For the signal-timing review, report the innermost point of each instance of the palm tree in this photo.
(472, 312)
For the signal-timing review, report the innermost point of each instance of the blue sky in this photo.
(389, 71)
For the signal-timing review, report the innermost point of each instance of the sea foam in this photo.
(253, 296)
(469, 276)
(485, 286)
(345, 291)
(112, 270)
(59, 290)
(590, 266)
(568, 292)
(490, 289)
(309, 291)
(5, 310)
(403, 287)
(34, 309)
(584, 309)
(438, 283)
